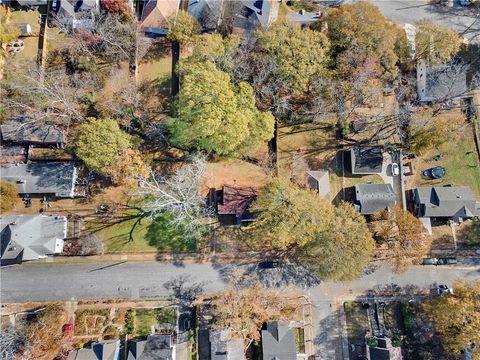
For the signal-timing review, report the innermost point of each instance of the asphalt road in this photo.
(460, 19)
(43, 282)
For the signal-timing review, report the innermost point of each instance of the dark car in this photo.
(269, 264)
(447, 261)
(430, 261)
(436, 172)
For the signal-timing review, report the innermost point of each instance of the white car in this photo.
(395, 169)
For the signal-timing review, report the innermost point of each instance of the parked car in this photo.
(395, 169)
(436, 172)
(447, 261)
(430, 261)
(269, 264)
(444, 289)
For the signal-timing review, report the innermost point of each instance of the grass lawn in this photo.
(148, 235)
(357, 322)
(458, 156)
(146, 318)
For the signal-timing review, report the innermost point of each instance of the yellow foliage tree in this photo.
(436, 43)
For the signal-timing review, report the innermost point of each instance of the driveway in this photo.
(387, 177)
(133, 280)
(464, 20)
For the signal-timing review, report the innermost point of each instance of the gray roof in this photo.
(154, 347)
(30, 237)
(447, 201)
(42, 178)
(24, 130)
(104, 350)
(303, 17)
(223, 347)
(366, 159)
(254, 14)
(371, 198)
(319, 180)
(444, 82)
(278, 342)
(207, 12)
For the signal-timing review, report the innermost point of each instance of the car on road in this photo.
(430, 261)
(269, 264)
(436, 172)
(444, 289)
(440, 261)
(447, 261)
(395, 169)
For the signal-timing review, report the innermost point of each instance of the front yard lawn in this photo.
(146, 318)
(147, 235)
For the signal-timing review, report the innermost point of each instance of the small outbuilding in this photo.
(319, 180)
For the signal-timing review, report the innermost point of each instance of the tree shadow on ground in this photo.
(327, 341)
(286, 274)
(167, 238)
(185, 290)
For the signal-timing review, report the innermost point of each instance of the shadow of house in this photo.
(232, 204)
(42, 179)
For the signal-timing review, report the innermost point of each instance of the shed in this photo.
(319, 180)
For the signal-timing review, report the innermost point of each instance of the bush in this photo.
(396, 340)
(90, 245)
(407, 315)
(8, 196)
(372, 342)
(130, 322)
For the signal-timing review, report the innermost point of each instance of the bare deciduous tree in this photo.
(178, 195)
(12, 340)
(90, 245)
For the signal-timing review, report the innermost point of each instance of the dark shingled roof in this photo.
(42, 178)
(447, 201)
(25, 130)
(445, 82)
(236, 201)
(278, 342)
(371, 198)
(367, 159)
(155, 347)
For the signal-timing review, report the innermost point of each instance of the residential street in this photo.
(41, 282)
(457, 18)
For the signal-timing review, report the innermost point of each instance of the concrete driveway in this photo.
(464, 20)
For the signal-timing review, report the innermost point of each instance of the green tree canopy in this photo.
(215, 115)
(217, 49)
(8, 195)
(296, 54)
(289, 216)
(100, 143)
(357, 32)
(182, 27)
(343, 250)
(436, 43)
(457, 317)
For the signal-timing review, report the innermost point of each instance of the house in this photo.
(154, 347)
(451, 202)
(207, 12)
(441, 82)
(233, 205)
(102, 350)
(366, 160)
(76, 14)
(371, 198)
(384, 350)
(252, 14)
(155, 15)
(42, 179)
(31, 237)
(278, 341)
(223, 346)
(24, 130)
(319, 181)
